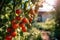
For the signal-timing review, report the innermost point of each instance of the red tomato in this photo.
(8, 37)
(13, 21)
(18, 11)
(18, 18)
(24, 29)
(36, 11)
(25, 20)
(9, 29)
(32, 12)
(22, 25)
(13, 34)
(30, 20)
(15, 26)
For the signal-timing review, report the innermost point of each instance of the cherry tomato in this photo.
(9, 29)
(9, 37)
(22, 25)
(18, 11)
(25, 20)
(15, 26)
(13, 34)
(30, 20)
(24, 29)
(36, 11)
(32, 12)
(18, 18)
(13, 21)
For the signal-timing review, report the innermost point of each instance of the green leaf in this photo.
(21, 33)
(4, 20)
(39, 37)
(7, 1)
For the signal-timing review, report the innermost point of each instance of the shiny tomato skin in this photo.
(22, 25)
(24, 29)
(8, 37)
(15, 26)
(18, 11)
(13, 34)
(25, 20)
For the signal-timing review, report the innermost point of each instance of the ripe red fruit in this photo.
(24, 29)
(9, 37)
(32, 12)
(30, 20)
(22, 25)
(15, 26)
(18, 11)
(18, 18)
(13, 21)
(25, 20)
(13, 34)
(36, 11)
(9, 29)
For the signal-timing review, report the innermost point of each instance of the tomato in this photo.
(36, 11)
(18, 11)
(22, 25)
(24, 29)
(32, 12)
(25, 20)
(13, 34)
(15, 26)
(18, 18)
(9, 29)
(9, 37)
(13, 21)
(30, 20)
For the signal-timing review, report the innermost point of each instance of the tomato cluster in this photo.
(11, 34)
(19, 22)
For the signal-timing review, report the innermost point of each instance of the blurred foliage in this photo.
(57, 20)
